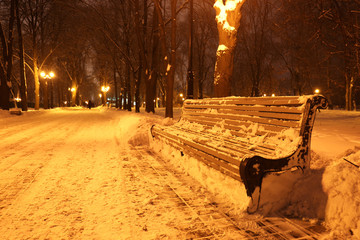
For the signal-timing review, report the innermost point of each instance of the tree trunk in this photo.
(150, 92)
(190, 73)
(348, 92)
(116, 87)
(6, 68)
(172, 66)
(23, 84)
(228, 21)
(223, 72)
(37, 82)
(151, 81)
(140, 34)
(127, 78)
(137, 84)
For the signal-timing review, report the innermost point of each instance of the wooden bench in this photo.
(246, 137)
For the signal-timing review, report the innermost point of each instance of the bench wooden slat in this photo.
(209, 158)
(270, 129)
(277, 109)
(234, 146)
(224, 156)
(220, 117)
(263, 114)
(242, 128)
(285, 101)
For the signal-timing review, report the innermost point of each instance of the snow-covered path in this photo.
(60, 177)
(91, 174)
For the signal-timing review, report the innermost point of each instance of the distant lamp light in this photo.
(317, 91)
(181, 95)
(264, 95)
(105, 88)
(17, 99)
(100, 95)
(273, 95)
(47, 76)
(73, 89)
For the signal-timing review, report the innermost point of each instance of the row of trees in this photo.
(140, 48)
(293, 47)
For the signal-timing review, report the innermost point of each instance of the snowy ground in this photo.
(96, 174)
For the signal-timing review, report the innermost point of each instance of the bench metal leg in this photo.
(254, 169)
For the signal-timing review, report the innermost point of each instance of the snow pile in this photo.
(136, 131)
(341, 183)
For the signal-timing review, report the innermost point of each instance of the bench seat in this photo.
(246, 138)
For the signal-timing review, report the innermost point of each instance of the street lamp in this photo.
(104, 89)
(317, 91)
(47, 76)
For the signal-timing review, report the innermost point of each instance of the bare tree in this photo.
(22, 70)
(7, 58)
(205, 44)
(228, 21)
(341, 37)
(255, 35)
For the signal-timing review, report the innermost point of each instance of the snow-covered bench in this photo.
(246, 137)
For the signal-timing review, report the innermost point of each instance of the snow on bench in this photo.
(246, 137)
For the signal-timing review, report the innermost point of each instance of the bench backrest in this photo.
(256, 116)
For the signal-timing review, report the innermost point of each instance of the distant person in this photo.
(90, 104)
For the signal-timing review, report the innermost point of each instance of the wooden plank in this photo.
(232, 147)
(267, 101)
(214, 163)
(204, 148)
(271, 129)
(237, 125)
(282, 116)
(221, 117)
(271, 115)
(239, 146)
(212, 160)
(276, 109)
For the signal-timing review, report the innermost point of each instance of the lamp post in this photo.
(104, 89)
(47, 76)
(73, 96)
